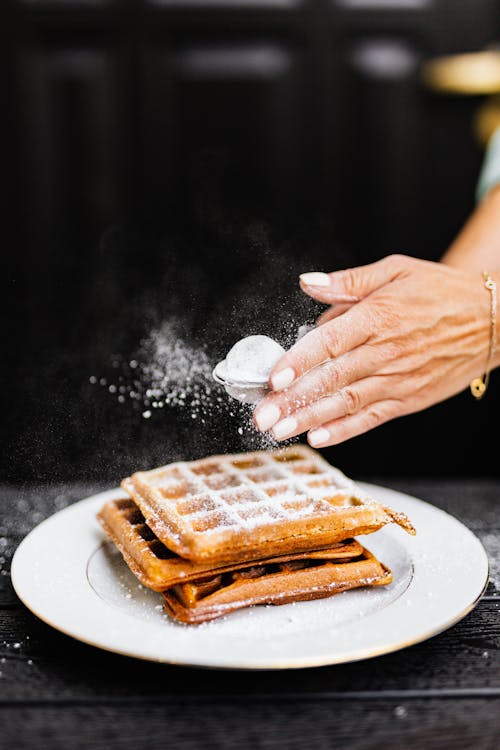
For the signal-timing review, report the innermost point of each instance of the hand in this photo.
(402, 334)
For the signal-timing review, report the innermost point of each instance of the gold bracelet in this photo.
(479, 385)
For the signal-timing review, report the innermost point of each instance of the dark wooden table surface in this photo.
(58, 693)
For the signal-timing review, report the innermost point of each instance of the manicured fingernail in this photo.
(315, 278)
(285, 428)
(319, 436)
(283, 379)
(266, 416)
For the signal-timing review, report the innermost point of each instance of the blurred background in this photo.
(170, 166)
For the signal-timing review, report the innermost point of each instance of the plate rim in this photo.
(269, 664)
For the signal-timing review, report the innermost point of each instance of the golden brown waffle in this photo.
(249, 506)
(272, 583)
(158, 568)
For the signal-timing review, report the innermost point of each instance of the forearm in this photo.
(477, 246)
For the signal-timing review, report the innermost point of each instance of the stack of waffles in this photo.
(226, 532)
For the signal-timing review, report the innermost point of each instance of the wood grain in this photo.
(368, 724)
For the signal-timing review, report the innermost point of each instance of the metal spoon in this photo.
(245, 391)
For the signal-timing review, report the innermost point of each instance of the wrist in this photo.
(479, 385)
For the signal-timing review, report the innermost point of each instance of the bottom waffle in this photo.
(198, 592)
(272, 583)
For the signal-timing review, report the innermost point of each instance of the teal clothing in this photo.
(490, 171)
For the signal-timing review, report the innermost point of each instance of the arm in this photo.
(402, 334)
(477, 246)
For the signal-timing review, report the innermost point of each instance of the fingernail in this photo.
(319, 436)
(267, 416)
(315, 278)
(284, 428)
(283, 379)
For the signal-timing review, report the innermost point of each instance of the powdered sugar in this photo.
(244, 491)
(252, 358)
(245, 371)
(169, 373)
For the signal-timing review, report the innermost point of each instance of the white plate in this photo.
(68, 575)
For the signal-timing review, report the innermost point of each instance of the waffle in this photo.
(272, 583)
(251, 506)
(158, 568)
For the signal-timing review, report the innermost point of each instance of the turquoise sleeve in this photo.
(490, 170)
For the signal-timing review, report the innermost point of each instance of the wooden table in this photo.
(58, 693)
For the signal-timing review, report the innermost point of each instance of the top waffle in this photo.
(250, 506)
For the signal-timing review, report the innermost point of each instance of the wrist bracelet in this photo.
(479, 385)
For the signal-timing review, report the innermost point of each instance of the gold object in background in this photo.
(470, 74)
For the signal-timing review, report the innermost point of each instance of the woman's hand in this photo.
(402, 334)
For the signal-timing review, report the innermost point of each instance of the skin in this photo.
(400, 335)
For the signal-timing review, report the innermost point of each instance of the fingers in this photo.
(329, 341)
(350, 426)
(348, 400)
(333, 312)
(324, 288)
(353, 284)
(323, 380)
(343, 332)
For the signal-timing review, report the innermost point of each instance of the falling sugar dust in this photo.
(169, 373)
(200, 288)
(168, 379)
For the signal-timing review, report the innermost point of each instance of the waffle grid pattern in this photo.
(193, 592)
(143, 537)
(248, 490)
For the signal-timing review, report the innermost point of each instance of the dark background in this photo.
(188, 160)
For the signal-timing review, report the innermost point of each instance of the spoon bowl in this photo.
(245, 392)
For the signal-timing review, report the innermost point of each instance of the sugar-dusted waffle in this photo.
(272, 583)
(249, 506)
(158, 568)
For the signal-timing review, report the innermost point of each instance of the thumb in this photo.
(352, 284)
